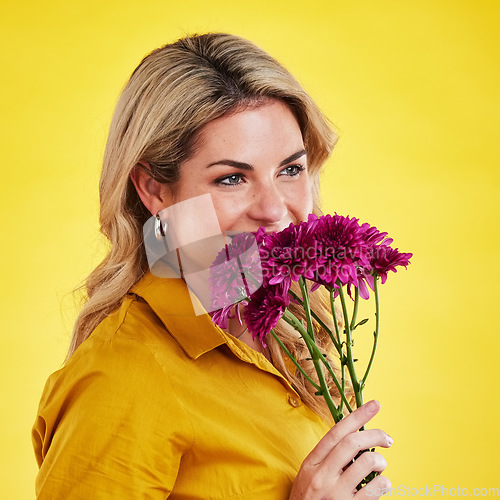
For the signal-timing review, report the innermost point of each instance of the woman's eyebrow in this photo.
(246, 166)
(293, 157)
(232, 163)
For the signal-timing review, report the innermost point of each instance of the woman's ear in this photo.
(154, 195)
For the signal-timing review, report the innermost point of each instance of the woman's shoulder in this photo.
(134, 325)
(147, 341)
(123, 349)
(113, 399)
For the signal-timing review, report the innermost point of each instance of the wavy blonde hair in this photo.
(172, 94)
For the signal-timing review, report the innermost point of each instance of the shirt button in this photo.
(293, 400)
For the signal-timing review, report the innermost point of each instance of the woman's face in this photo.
(253, 164)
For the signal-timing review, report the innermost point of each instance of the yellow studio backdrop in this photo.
(411, 87)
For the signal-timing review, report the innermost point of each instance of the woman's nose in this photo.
(268, 205)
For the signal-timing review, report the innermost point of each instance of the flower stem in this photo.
(292, 357)
(321, 323)
(307, 307)
(335, 322)
(317, 358)
(316, 353)
(375, 333)
(350, 360)
(339, 349)
(355, 308)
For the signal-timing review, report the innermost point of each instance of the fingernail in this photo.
(372, 406)
(390, 440)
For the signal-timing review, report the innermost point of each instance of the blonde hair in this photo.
(172, 94)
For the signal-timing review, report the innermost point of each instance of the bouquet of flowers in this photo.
(347, 258)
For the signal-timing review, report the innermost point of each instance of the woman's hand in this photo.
(327, 472)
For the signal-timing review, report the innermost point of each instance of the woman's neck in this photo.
(199, 285)
(240, 331)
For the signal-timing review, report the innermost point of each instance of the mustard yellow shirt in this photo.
(159, 402)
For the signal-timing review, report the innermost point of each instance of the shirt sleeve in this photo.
(109, 427)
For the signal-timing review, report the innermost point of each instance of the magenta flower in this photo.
(264, 310)
(373, 239)
(235, 273)
(276, 251)
(372, 236)
(258, 269)
(387, 259)
(383, 258)
(342, 250)
(289, 254)
(364, 278)
(220, 317)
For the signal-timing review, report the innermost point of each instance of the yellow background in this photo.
(412, 88)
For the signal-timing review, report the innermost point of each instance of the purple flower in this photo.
(290, 253)
(235, 273)
(264, 310)
(342, 250)
(383, 258)
(258, 269)
(372, 236)
(387, 259)
(364, 277)
(220, 317)
(276, 255)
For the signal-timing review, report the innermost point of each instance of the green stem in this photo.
(316, 356)
(340, 350)
(295, 296)
(341, 389)
(350, 360)
(321, 323)
(316, 353)
(292, 357)
(307, 307)
(355, 308)
(335, 322)
(375, 333)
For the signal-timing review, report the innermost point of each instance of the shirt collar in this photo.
(170, 300)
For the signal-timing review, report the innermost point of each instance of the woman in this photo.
(155, 401)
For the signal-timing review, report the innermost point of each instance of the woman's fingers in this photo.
(374, 489)
(367, 462)
(347, 425)
(329, 471)
(353, 443)
(338, 465)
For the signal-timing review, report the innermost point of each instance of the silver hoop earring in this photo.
(160, 227)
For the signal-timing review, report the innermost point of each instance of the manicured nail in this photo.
(372, 406)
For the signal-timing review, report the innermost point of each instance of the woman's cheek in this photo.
(227, 213)
(301, 201)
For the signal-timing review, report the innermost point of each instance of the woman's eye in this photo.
(292, 170)
(230, 180)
